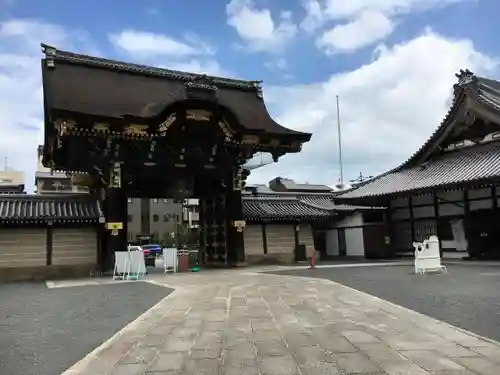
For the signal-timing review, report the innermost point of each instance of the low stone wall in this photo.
(280, 258)
(41, 273)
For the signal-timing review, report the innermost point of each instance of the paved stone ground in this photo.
(467, 297)
(44, 331)
(241, 323)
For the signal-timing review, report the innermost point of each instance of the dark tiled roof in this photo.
(471, 164)
(462, 165)
(51, 175)
(293, 186)
(320, 201)
(96, 86)
(481, 89)
(38, 208)
(282, 208)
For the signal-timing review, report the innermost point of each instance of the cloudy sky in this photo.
(391, 61)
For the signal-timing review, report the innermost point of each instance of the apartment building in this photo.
(156, 218)
(191, 213)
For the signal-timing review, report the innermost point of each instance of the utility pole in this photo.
(340, 144)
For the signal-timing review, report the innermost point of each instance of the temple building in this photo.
(11, 182)
(450, 186)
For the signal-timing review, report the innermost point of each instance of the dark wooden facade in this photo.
(141, 131)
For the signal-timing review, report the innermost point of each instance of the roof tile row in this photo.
(34, 208)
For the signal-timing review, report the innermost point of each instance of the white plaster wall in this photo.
(354, 242)
(448, 209)
(353, 236)
(481, 204)
(479, 193)
(332, 242)
(354, 220)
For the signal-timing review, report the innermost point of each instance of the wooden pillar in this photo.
(116, 216)
(235, 238)
(296, 230)
(390, 230)
(264, 237)
(436, 219)
(412, 219)
(49, 244)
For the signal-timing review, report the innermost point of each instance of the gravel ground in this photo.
(467, 297)
(44, 331)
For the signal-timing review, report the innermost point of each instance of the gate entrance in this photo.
(131, 130)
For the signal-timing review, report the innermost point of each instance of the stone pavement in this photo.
(242, 323)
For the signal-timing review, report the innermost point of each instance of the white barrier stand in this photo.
(122, 265)
(428, 257)
(170, 260)
(129, 265)
(137, 265)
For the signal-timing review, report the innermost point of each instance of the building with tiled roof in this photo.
(44, 235)
(449, 187)
(286, 220)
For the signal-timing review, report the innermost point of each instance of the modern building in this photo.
(153, 219)
(191, 213)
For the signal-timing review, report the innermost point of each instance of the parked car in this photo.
(152, 249)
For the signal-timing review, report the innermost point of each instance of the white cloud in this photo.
(364, 22)
(21, 110)
(258, 29)
(389, 107)
(190, 54)
(368, 27)
(147, 44)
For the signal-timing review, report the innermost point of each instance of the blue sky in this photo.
(391, 61)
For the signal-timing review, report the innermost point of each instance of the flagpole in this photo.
(340, 144)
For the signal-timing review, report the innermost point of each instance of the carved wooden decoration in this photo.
(101, 126)
(275, 142)
(136, 129)
(198, 115)
(165, 125)
(226, 129)
(115, 177)
(250, 139)
(63, 126)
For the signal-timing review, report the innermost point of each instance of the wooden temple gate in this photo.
(127, 130)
